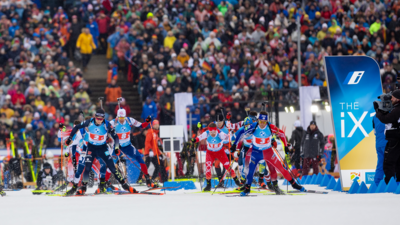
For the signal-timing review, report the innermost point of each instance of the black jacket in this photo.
(391, 119)
(297, 136)
(312, 144)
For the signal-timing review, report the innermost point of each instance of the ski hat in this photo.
(155, 122)
(121, 113)
(313, 123)
(247, 121)
(297, 123)
(100, 113)
(46, 165)
(396, 94)
(220, 118)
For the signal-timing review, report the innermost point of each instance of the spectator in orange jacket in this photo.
(113, 91)
(152, 151)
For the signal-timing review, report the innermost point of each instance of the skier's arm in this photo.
(77, 127)
(202, 136)
(111, 131)
(279, 133)
(237, 125)
(223, 136)
(243, 133)
(137, 123)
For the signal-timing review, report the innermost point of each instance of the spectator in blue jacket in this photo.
(94, 30)
(380, 144)
(149, 109)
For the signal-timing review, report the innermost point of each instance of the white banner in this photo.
(307, 95)
(182, 100)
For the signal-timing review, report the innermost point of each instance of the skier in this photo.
(215, 140)
(47, 178)
(261, 133)
(224, 127)
(123, 127)
(104, 172)
(98, 129)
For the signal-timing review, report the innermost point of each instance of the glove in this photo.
(274, 143)
(289, 146)
(233, 148)
(193, 140)
(229, 116)
(68, 141)
(199, 125)
(117, 151)
(60, 125)
(376, 106)
(148, 119)
(66, 154)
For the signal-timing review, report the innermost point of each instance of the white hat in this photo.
(297, 123)
(121, 113)
(252, 82)
(237, 42)
(36, 115)
(160, 88)
(233, 71)
(324, 25)
(50, 115)
(173, 55)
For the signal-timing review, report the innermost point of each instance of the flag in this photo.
(206, 66)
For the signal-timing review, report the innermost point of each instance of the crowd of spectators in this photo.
(227, 53)
(42, 85)
(246, 51)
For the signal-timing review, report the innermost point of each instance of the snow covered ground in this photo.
(185, 207)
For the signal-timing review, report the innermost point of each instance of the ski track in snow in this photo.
(186, 208)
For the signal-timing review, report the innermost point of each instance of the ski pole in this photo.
(222, 177)
(197, 158)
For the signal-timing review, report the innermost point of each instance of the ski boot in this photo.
(237, 182)
(112, 187)
(72, 190)
(149, 182)
(276, 188)
(2, 193)
(261, 182)
(208, 187)
(82, 190)
(242, 181)
(246, 190)
(102, 187)
(270, 186)
(221, 184)
(126, 187)
(297, 186)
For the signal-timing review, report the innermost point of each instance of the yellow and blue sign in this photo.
(354, 82)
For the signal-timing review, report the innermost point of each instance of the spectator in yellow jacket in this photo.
(86, 45)
(169, 40)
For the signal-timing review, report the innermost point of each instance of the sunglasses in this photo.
(99, 118)
(262, 121)
(121, 118)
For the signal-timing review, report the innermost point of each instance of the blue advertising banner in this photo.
(354, 82)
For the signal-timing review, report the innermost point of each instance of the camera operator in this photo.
(391, 162)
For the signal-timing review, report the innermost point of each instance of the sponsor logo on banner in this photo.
(354, 77)
(354, 176)
(369, 177)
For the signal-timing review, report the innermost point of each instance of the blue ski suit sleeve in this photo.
(240, 134)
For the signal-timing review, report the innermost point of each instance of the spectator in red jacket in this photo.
(18, 97)
(102, 22)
